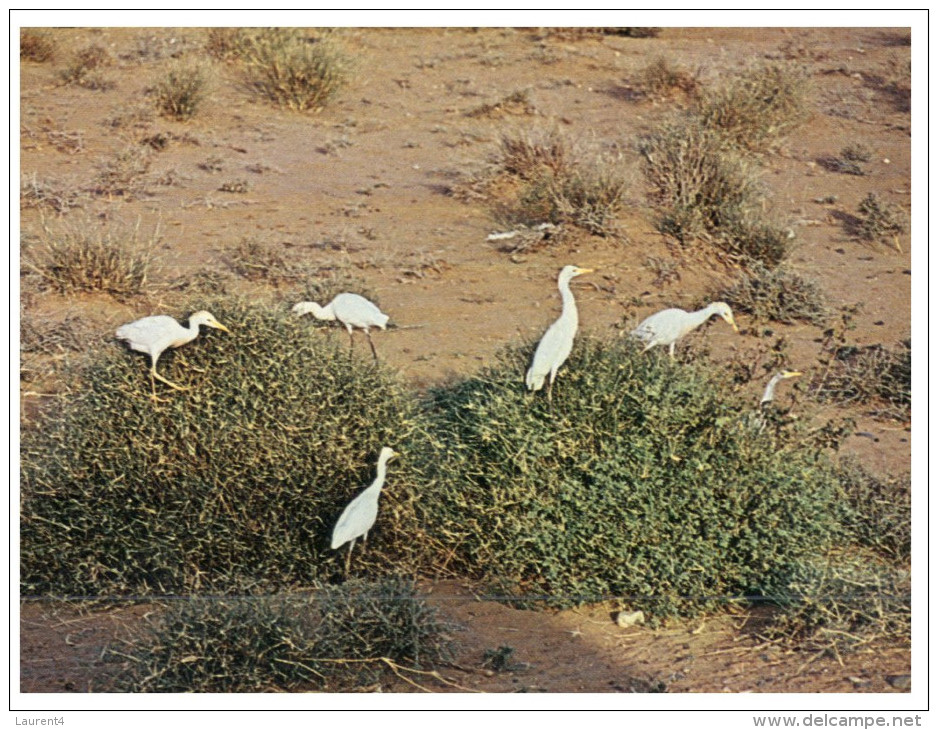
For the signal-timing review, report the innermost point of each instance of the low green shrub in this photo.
(234, 484)
(638, 480)
(879, 219)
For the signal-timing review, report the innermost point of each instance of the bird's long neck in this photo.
(192, 331)
(769, 393)
(569, 311)
(695, 319)
(325, 313)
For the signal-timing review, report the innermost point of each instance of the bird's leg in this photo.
(348, 558)
(351, 342)
(170, 383)
(373, 351)
(671, 350)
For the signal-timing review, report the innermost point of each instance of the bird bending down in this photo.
(670, 325)
(360, 514)
(153, 335)
(555, 346)
(351, 310)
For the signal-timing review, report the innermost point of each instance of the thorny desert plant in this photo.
(842, 602)
(84, 65)
(868, 375)
(235, 484)
(880, 515)
(759, 106)
(556, 182)
(84, 254)
(367, 620)
(292, 70)
(181, 90)
(36, 45)
(639, 480)
(123, 174)
(778, 295)
(660, 78)
(706, 187)
(36, 192)
(249, 644)
(335, 639)
(879, 219)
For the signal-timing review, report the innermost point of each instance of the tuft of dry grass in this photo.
(36, 192)
(552, 180)
(84, 68)
(181, 90)
(83, 254)
(37, 46)
(661, 78)
(123, 174)
(290, 69)
(759, 106)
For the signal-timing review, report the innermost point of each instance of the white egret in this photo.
(352, 310)
(555, 346)
(757, 420)
(153, 335)
(360, 514)
(769, 393)
(668, 326)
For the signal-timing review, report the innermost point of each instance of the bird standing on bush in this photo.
(670, 325)
(153, 335)
(352, 310)
(555, 346)
(360, 514)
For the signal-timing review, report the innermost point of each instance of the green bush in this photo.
(759, 106)
(639, 480)
(234, 484)
(336, 639)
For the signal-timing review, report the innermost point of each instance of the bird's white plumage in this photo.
(352, 310)
(360, 514)
(556, 344)
(668, 326)
(153, 335)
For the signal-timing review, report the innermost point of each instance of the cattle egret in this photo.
(555, 346)
(352, 310)
(153, 335)
(360, 514)
(769, 393)
(668, 326)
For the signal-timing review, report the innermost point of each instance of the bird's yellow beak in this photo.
(732, 323)
(219, 326)
(792, 374)
(585, 271)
